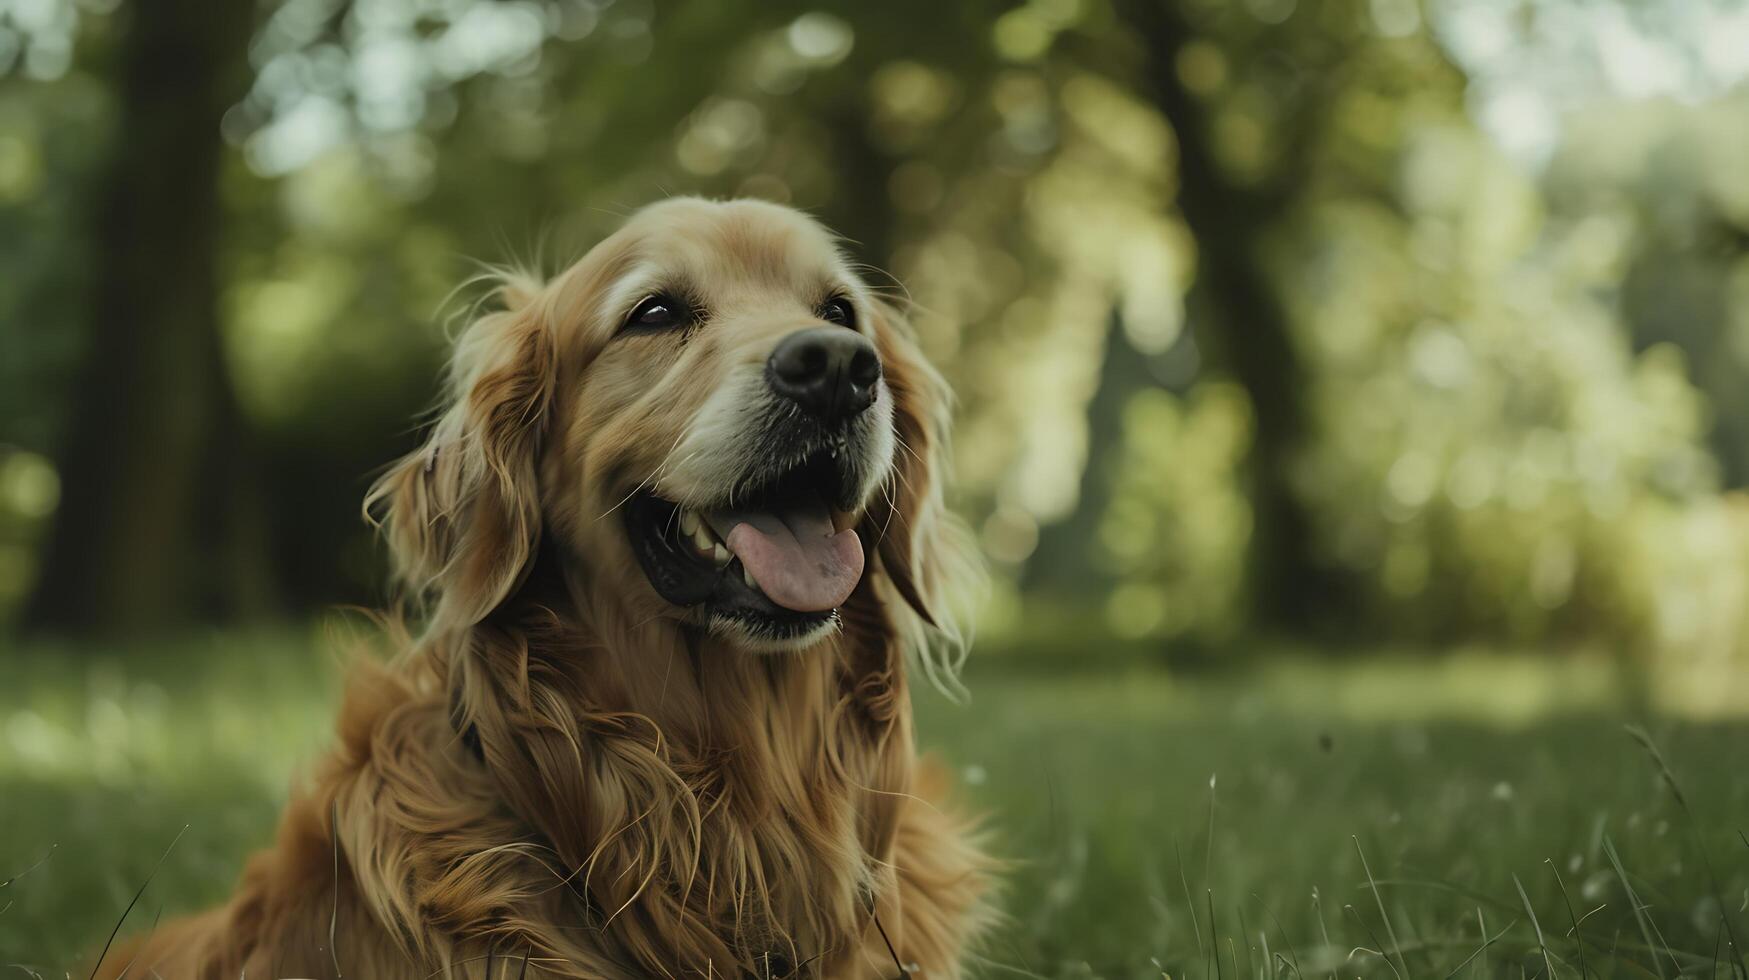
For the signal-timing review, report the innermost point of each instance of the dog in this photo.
(669, 546)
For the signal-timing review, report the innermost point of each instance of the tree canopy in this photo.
(1414, 320)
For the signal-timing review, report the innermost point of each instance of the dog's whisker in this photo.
(900, 470)
(653, 477)
(634, 492)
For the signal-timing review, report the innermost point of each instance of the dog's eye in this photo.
(838, 310)
(658, 312)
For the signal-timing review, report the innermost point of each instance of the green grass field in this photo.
(1191, 826)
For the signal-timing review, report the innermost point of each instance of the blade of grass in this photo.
(1482, 949)
(1587, 916)
(1284, 936)
(1323, 927)
(1208, 859)
(1573, 914)
(1713, 971)
(1664, 944)
(894, 953)
(1481, 899)
(1214, 936)
(1469, 893)
(1643, 737)
(1208, 849)
(1390, 930)
(1189, 903)
(1380, 951)
(1245, 934)
(156, 918)
(135, 901)
(1633, 902)
(1483, 925)
(39, 863)
(1536, 926)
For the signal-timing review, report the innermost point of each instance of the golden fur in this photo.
(562, 769)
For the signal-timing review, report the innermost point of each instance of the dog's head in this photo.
(710, 415)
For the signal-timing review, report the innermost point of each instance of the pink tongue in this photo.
(793, 553)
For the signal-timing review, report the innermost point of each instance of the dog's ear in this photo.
(925, 552)
(462, 513)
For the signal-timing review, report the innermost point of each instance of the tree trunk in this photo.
(153, 460)
(1290, 588)
(859, 207)
(1063, 562)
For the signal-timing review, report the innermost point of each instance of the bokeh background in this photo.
(1365, 375)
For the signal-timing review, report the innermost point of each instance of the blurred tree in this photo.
(1206, 68)
(1060, 562)
(1231, 219)
(1669, 177)
(157, 520)
(1248, 325)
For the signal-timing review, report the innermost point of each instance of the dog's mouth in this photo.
(776, 559)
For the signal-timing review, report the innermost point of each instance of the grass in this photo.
(1469, 816)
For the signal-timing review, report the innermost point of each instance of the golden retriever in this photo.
(674, 536)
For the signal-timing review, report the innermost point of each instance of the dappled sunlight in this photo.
(254, 705)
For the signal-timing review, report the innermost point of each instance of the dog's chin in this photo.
(683, 552)
(757, 635)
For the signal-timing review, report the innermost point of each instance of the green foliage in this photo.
(1518, 378)
(1495, 445)
(1178, 467)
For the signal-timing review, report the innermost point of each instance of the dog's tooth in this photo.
(688, 521)
(747, 577)
(720, 555)
(702, 540)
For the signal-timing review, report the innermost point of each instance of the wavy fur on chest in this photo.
(680, 810)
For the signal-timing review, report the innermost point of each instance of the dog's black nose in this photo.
(830, 372)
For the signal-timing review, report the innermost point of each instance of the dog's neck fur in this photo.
(713, 806)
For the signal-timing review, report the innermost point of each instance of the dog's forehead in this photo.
(736, 243)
